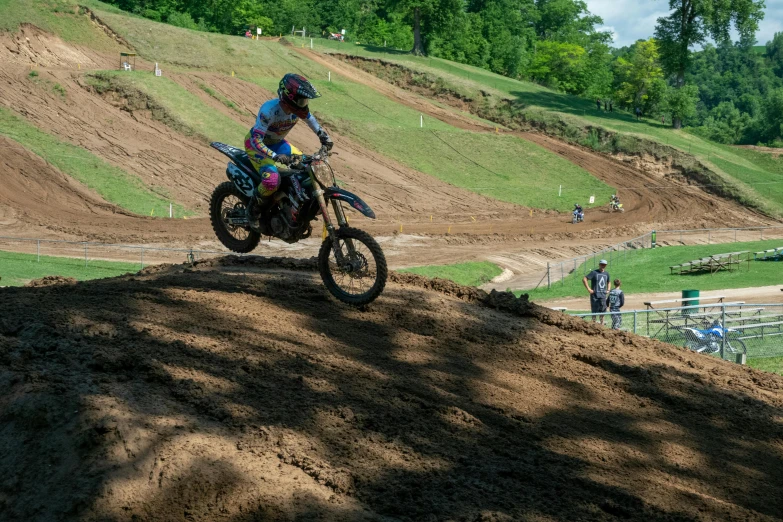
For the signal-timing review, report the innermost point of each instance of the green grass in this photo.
(184, 105)
(111, 183)
(751, 173)
(17, 269)
(647, 270)
(768, 364)
(219, 97)
(468, 274)
(62, 17)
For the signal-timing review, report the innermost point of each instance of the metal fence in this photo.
(557, 271)
(751, 330)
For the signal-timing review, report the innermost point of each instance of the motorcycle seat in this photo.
(239, 157)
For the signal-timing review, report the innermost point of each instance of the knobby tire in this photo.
(240, 246)
(380, 266)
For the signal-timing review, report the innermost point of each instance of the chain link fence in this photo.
(734, 332)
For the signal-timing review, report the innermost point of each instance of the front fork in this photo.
(330, 230)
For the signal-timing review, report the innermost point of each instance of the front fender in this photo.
(352, 199)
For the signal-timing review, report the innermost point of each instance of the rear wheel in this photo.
(227, 207)
(359, 278)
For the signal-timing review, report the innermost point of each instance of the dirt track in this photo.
(246, 393)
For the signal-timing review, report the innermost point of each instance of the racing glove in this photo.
(326, 141)
(285, 159)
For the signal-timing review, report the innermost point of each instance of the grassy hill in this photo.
(752, 177)
(471, 160)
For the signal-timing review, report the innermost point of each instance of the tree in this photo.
(775, 53)
(693, 21)
(681, 102)
(636, 75)
(418, 10)
(559, 66)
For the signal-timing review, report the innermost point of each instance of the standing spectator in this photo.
(606, 105)
(663, 120)
(598, 103)
(611, 106)
(601, 285)
(638, 113)
(616, 300)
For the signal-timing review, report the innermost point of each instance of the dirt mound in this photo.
(50, 281)
(239, 390)
(33, 46)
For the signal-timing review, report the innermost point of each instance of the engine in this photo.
(285, 221)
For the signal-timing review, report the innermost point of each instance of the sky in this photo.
(630, 20)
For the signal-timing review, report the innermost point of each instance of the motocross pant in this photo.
(265, 165)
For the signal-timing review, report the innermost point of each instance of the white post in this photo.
(311, 43)
(171, 210)
(560, 192)
(330, 76)
(421, 120)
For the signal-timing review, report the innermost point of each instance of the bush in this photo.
(182, 20)
(33, 74)
(152, 15)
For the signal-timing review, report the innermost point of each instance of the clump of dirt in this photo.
(238, 389)
(50, 281)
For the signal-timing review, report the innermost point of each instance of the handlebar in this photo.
(305, 159)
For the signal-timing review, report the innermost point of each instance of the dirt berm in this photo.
(240, 391)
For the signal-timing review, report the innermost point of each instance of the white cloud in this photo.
(631, 20)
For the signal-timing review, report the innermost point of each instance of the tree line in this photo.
(689, 70)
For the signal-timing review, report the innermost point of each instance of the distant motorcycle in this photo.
(710, 340)
(577, 217)
(616, 206)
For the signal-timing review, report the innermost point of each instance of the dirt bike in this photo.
(577, 217)
(351, 263)
(616, 207)
(711, 339)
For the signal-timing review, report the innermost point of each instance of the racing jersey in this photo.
(273, 124)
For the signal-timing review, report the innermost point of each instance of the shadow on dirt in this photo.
(208, 395)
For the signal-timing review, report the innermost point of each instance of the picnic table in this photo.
(772, 253)
(713, 263)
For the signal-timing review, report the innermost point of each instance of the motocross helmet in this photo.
(295, 92)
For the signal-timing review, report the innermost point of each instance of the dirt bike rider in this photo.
(615, 202)
(578, 210)
(265, 143)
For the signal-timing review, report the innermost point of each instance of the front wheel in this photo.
(360, 276)
(736, 346)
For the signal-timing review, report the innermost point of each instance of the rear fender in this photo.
(353, 200)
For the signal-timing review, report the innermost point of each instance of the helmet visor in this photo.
(301, 102)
